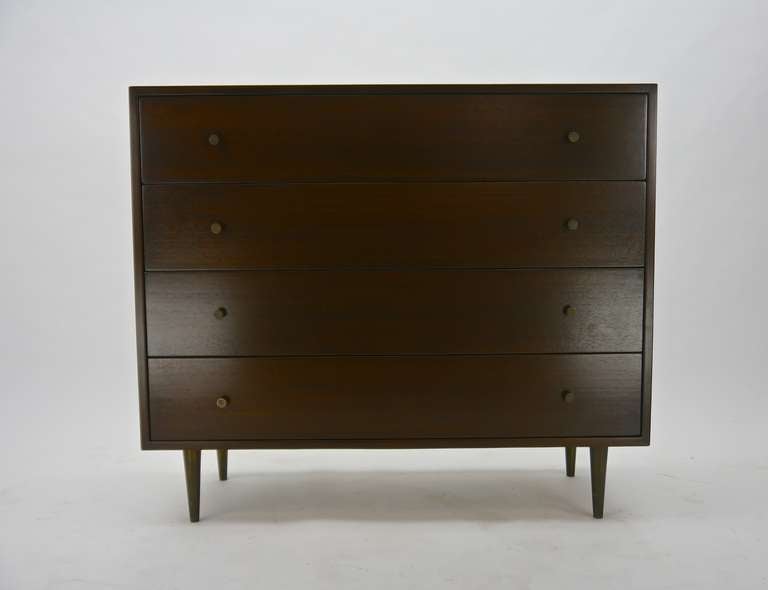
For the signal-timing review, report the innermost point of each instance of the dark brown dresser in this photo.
(394, 267)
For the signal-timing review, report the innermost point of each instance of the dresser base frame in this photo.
(598, 459)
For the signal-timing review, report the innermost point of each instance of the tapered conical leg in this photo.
(598, 458)
(570, 461)
(221, 456)
(192, 474)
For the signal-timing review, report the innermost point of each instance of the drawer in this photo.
(232, 313)
(395, 397)
(393, 137)
(480, 225)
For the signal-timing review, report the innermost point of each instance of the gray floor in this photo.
(384, 519)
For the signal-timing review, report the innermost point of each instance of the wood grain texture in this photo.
(395, 397)
(347, 137)
(641, 92)
(393, 312)
(394, 224)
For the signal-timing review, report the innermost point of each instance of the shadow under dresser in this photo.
(394, 267)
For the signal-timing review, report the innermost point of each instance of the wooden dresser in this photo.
(394, 266)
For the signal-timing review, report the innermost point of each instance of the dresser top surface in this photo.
(642, 88)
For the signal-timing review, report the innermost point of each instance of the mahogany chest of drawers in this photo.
(394, 266)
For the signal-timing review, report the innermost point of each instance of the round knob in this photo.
(568, 396)
(572, 224)
(573, 136)
(569, 310)
(220, 313)
(214, 139)
(216, 228)
(222, 402)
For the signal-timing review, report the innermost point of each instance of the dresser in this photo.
(394, 267)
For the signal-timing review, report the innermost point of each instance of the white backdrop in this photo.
(81, 506)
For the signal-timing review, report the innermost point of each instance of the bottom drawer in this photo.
(394, 397)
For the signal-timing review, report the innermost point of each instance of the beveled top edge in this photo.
(352, 89)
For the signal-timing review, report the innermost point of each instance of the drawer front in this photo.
(393, 137)
(395, 397)
(530, 224)
(226, 313)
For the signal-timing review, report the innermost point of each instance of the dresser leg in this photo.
(598, 458)
(570, 461)
(192, 474)
(221, 456)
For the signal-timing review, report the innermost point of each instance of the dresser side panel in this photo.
(138, 264)
(650, 240)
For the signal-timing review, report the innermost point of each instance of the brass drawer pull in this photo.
(220, 313)
(569, 310)
(574, 136)
(222, 402)
(572, 224)
(568, 396)
(214, 139)
(216, 228)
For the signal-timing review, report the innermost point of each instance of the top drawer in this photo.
(377, 137)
